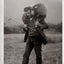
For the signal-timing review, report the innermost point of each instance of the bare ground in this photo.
(14, 48)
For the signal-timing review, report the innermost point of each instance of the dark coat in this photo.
(39, 29)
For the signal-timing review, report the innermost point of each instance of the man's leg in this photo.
(37, 49)
(29, 47)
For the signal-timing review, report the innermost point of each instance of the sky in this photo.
(14, 9)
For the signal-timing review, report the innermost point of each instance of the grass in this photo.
(14, 48)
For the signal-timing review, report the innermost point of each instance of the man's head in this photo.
(27, 9)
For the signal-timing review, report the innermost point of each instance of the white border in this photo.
(63, 32)
(1, 32)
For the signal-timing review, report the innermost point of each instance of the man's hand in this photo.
(36, 24)
(25, 27)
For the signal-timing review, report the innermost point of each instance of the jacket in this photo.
(39, 29)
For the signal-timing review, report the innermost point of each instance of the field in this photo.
(14, 48)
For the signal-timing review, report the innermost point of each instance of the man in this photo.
(34, 40)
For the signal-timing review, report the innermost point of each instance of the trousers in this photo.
(33, 42)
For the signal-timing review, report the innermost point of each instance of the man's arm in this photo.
(42, 23)
(25, 18)
(25, 21)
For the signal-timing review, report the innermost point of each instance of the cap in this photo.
(27, 8)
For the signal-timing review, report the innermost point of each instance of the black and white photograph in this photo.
(32, 31)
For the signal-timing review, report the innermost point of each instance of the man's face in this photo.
(32, 12)
(29, 13)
